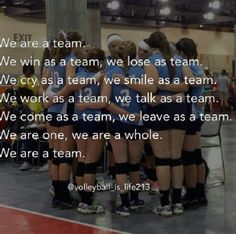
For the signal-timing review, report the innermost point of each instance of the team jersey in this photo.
(164, 72)
(197, 91)
(120, 92)
(91, 91)
(58, 74)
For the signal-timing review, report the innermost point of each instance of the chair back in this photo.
(211, 128)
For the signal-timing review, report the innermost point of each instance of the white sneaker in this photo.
(163, 211)
(178, 209)
(44, 168)
(123, 211)
(95, 208)
(25, 166)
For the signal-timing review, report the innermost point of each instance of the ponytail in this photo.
(159, 40)
(127, 50)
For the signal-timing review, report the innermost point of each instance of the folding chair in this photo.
(211, 130)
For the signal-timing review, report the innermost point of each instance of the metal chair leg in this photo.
(223, 163)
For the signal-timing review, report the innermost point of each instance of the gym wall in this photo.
(215, 48)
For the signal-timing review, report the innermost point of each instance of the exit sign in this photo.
(19, 37)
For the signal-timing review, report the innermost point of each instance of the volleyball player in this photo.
(91, 149)
(194, 166)
(113, 42)
(144, 51)
(127, 152)
(61, 166)
(45, 74)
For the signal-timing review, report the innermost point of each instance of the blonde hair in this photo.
(127, 50)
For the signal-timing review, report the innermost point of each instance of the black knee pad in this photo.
(90, 168)
(134, 167)
(199, 159)
(66, 160)
(188, 158)
(162, 162)
(80, 169)
(122, 168)
(176, 162)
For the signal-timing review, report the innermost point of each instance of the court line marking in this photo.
(63, 219)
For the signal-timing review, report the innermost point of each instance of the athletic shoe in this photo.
(25, 166)
(189, 203)
(178, 209)
(75, 195)
(55, 203)
(202, 201)
(68, 204)
(163, 210)
(123, 211)
(135, 205)
(44, 168)
(86, 209)
(51, 191)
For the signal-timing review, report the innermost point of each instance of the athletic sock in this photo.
(176, 196)
(65, 191)
(134, 195)
(56, 186)
(125, 199)
(88, 198)
(191, 193)
(81, 194)
(200, 190)
(164, 197)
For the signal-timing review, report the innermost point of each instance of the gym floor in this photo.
(25, 205)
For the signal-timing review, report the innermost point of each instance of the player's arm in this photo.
(144, 88)
(181, 87)
(45, 76)
(180, 97)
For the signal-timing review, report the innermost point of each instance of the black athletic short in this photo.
(194, 126)
(123, 128)
(62, 120)
(89, 127)
(172, 109)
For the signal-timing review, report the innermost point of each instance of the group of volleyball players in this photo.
(176, 153)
